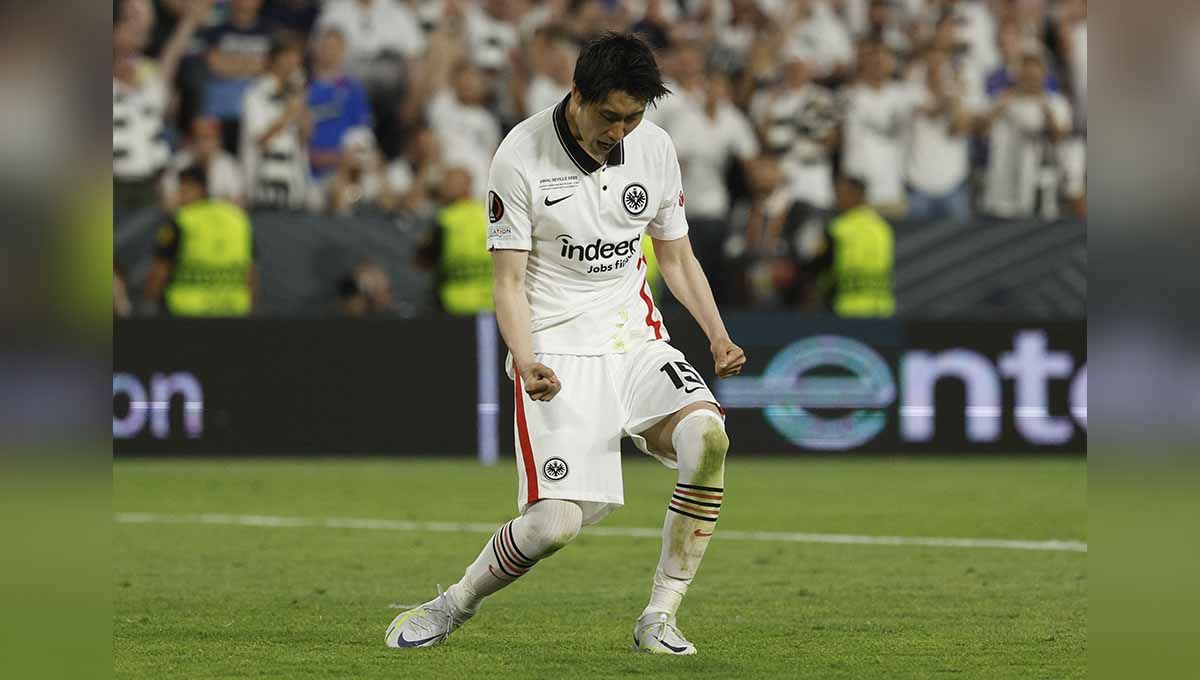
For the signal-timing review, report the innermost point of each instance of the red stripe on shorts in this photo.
(523, 435)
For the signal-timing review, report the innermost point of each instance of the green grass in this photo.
(209, 601)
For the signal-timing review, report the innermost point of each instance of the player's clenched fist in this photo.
(540, 382)
(728, 357)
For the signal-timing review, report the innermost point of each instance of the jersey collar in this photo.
(583, 160)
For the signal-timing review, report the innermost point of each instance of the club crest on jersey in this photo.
(635, 198)
(495, 207)
(555, 469)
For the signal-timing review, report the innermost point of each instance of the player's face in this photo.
(602, 125)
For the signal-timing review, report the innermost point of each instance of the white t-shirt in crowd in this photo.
(794, 123)
(705, 146)
(277, 175)
(490, 39)
(544, 92)
(822, 40)
(469, 136)
(138, 149)
(582, 222)
(876, 121)
(977, 30)
(938, 159)
(382, 26)
(1018, 147)
(224, 175)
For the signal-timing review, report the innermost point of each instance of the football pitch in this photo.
(292, 569)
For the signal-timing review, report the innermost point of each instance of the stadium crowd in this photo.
(940, 109)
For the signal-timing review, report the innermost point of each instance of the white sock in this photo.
(700, 445)
(545, 527)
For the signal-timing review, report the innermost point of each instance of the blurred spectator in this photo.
(204, 148)
(1027, 126)
(976, 28)
(468, 131)
(798, 120)
(367, 291)
(654, 22)
(491, 33)
(379, 32)
(818, 36)
(414, 177)
(141, 93)
(762, 248)
(1013, 48)
(237, 53)
(1071, 30)
(275, 130)
(684, 73)
(383, 38)
(552, 63)
(938, 165)
(360, 183)
(204, 260)
(877, 115)
(456, 248)
(710, 139)
(856, 256)
(885, 26)
(734, 39)
(295, 17)
(337, 101)
(944, 48)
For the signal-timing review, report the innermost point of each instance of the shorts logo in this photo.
(495, 207)
(555, 469)
(634, 198)
(681, 199)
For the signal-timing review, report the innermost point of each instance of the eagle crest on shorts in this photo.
(555, 469)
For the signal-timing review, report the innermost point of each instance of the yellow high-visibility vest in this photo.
(862, 264)
(212, 268)
(465, 265)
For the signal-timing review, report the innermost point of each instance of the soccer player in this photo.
(572, 190)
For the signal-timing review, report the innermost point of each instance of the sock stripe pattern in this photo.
(512, 562)
(697, 502)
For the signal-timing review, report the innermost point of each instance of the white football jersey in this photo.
(582, 222)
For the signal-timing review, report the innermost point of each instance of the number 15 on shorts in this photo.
(683, 376)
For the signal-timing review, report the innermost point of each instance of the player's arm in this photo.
(684, 276)
(512, 314)
(681, 270)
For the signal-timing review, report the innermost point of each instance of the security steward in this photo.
(204, 257)
(857, 256)
(456, 248)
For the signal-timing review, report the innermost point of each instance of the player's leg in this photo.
(542, 530)
(676, 418)
(695, 437)
(515, 548)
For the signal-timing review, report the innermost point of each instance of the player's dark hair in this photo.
(618, 62)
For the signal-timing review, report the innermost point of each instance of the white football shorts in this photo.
(570, 447)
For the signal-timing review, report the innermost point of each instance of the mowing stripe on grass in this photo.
(625, 532)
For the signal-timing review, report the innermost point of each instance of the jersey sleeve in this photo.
(670, 224)
(509, 226)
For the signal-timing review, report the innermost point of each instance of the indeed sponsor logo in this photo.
(598, 250)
